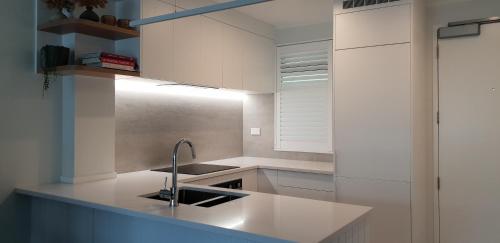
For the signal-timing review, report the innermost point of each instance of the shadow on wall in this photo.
(15, 213)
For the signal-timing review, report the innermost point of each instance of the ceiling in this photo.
(290, 13)
(293, 13)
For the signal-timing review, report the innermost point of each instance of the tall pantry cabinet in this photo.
(381, 117)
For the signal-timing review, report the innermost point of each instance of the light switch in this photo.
(255, 131)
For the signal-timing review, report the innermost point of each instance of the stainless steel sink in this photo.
(200, 197)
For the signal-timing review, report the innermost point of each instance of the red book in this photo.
(115, 56)
(118, 61)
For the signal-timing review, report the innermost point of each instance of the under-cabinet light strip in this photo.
(149, 87)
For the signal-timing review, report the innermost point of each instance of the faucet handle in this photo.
(165, 194)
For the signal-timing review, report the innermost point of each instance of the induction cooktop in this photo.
(198, 169)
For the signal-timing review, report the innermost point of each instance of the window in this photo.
(303, 105)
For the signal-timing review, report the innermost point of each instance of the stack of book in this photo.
(109, 60)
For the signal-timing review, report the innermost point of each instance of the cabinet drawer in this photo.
(306, 193)
(310, 181)
(373, 27)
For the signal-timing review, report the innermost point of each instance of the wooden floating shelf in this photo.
(88, 27)
(91, 71)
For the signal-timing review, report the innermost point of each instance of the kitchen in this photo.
(276, 121)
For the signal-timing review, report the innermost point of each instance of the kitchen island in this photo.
(116, 211)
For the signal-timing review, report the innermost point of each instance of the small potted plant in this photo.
(89, 14)
(64, 8)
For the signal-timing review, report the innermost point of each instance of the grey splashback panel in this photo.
(148, 126)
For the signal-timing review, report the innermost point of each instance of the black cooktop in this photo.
(197, 169)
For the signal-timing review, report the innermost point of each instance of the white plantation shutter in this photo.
(304, 98)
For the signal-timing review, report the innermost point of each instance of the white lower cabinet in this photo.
(281, 182)
(249, 178)
(296, 184)
(390, 220)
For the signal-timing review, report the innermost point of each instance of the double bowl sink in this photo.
(200, 197)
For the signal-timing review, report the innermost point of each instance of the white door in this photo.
(469, 137)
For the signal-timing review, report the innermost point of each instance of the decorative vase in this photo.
(90, 15)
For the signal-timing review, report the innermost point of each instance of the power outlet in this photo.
(255, 131)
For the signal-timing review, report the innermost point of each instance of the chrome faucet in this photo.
(173, 194)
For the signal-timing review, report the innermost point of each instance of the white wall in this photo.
(29, 124)
(439, 14)
(315, 32)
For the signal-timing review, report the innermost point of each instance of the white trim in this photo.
(303, 42)
(303, 151)
(435, 154)
(82, 179)
(196, 11)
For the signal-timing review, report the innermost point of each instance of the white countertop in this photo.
(258, 214)
(249, 163)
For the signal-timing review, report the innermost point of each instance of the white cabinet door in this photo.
(212, 49)
(267, 180)
(188, 50)
(306, 193)
(373, 27)
(259, 67)
(390, 220)
(157, 43)
(232, 75)
(373, 112)
(312, 181)
(296, 184)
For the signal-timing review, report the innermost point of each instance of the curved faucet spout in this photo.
(174, 197)
(184, 141)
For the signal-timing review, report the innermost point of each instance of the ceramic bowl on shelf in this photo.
(123, 23)
(108, 19)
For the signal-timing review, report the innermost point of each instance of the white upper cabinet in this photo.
(157, 43)
(203, 51)
(233, 58)
(259, 71)
(212, 47)
(382, 26)
(188, 43)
